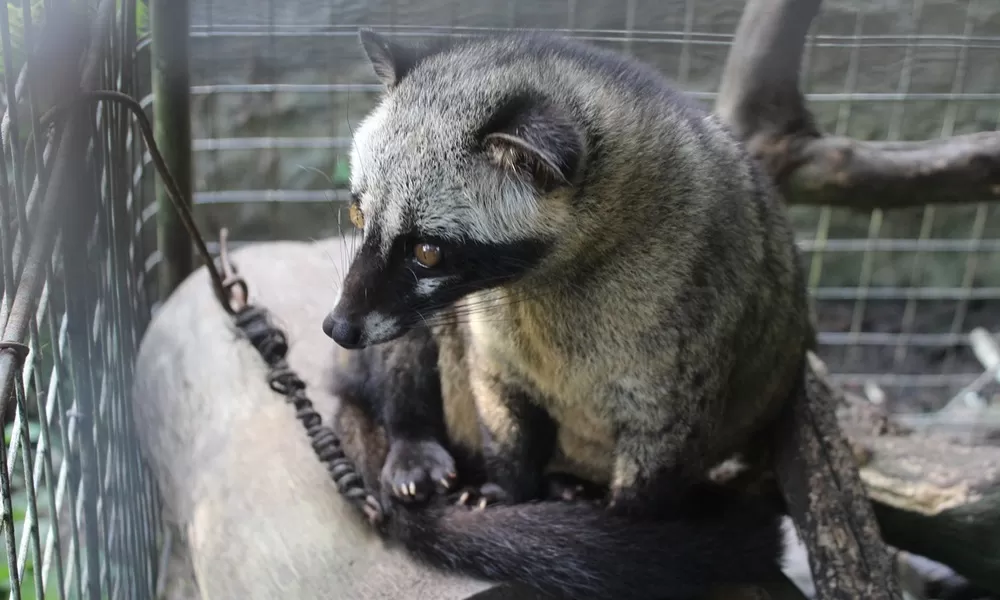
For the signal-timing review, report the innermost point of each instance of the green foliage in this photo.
(142, 17)
(28, 591)
(341, 173)
(15, 15)
(19, 505)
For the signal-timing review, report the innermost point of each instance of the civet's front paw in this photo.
(415, 470)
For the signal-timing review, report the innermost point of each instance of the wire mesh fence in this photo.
(80, 516)
(276, 87)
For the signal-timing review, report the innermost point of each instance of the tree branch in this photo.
(759, 95)
(761, 101)
(818, 475)
(932, 497)
(841, 171)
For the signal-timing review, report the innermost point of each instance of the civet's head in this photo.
(461, 181)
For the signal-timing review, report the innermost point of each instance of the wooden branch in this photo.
(761, 100)
(818, 476)
(927, 507)
(845, 172)
(759, 95)
(932, 497)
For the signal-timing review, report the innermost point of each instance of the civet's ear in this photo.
(390, 60)
(536, 141)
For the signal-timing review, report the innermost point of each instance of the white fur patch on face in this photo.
(359, 153)
(391, 226)
(504, 211)
(364, 161)
(426, 287)
(508, 211)
(378, 327)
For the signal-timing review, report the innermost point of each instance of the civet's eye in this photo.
(427, 255)
(356, 216)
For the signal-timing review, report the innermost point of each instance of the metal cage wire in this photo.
(80, 516)
(896, 293)
(275, 90)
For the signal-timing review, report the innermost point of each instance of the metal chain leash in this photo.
(254, 322)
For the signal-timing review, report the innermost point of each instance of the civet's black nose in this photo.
(344, 332)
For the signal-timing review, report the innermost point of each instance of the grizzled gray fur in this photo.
(624, 286)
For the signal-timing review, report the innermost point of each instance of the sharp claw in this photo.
(482, 503)
(444, 482)
(463, 498)
(413, 489)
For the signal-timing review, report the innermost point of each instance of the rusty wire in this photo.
(254, 322)
(231, 290)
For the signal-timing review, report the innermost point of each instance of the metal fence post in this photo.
(169, 22)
